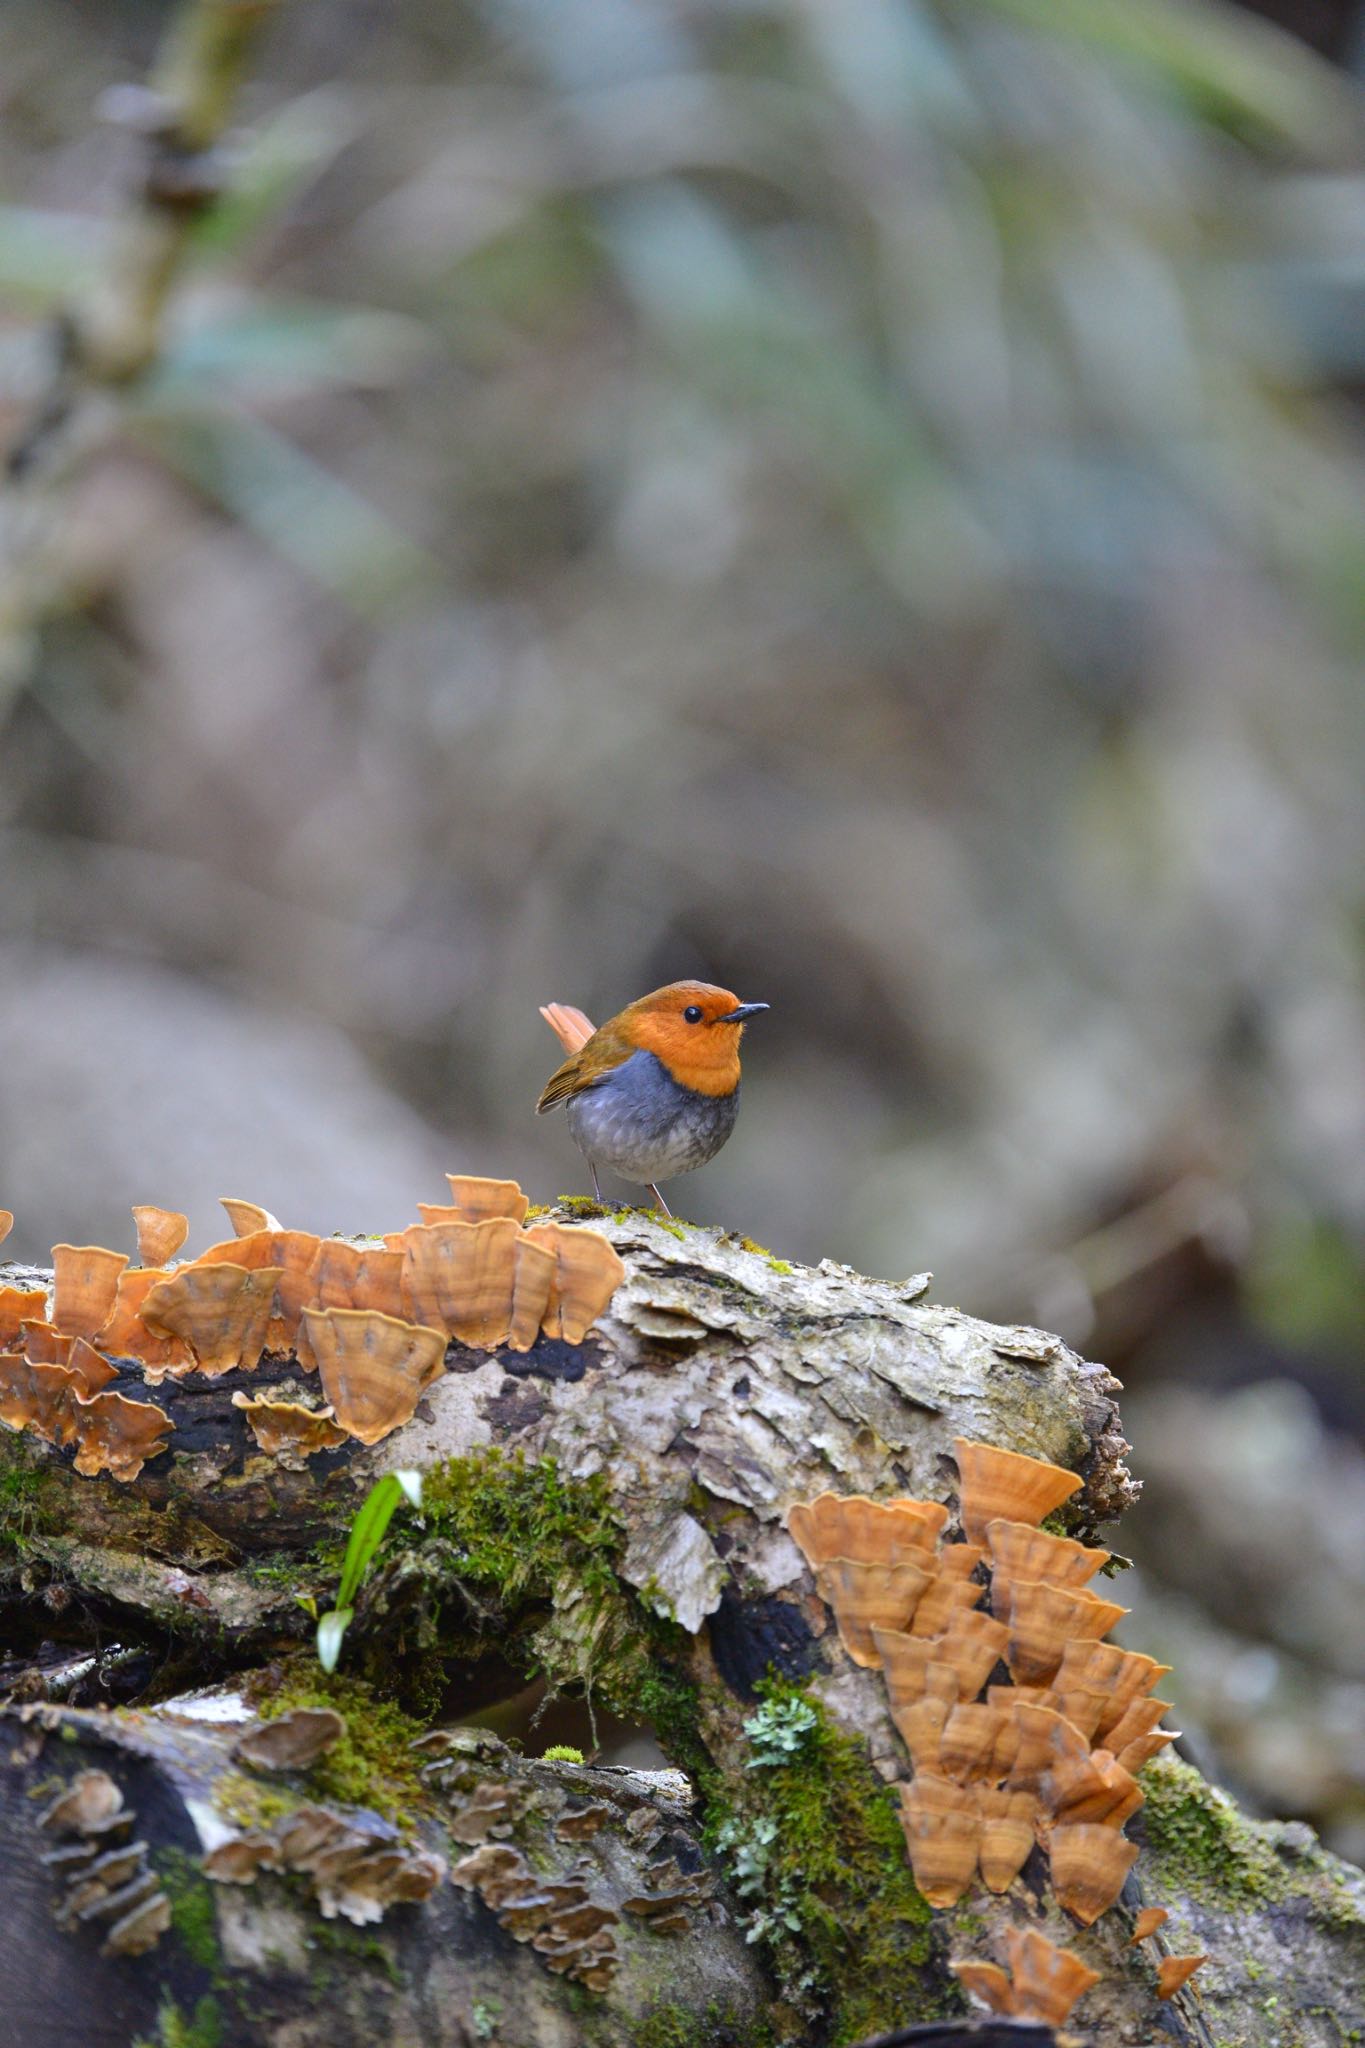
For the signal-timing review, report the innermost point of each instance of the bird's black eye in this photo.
(692, 1014)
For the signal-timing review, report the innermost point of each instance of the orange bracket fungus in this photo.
(6, 1223)
(475, 1199)
(867, 1597)
(1173, 1971)
(160, 1234)
(19, 1305)
(126, 1335)
(247, 1218)
(942, 1824)
(1043, 1982)
(1007, 1486)
(459, 1278)
(1044, 1619)
(117, 1435)
(534, 1270)
(374, 1368)
(1089, 1864)
(994, 1776)
(293, 1741)
(880, 1532)
(89, 1369)
(1146, 1924)
(287, 1430)
(587, 1274)
(221, 1311)
(84, 1284)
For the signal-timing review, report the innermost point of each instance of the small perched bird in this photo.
(656, 1091)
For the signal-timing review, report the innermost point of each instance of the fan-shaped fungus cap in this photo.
(476, 1199)
(973, 1644)
(39, 1397)
(879, 1532)
(247, 1218)
(241, 1858)
(587, 1274)
(294, 1253)
(19, 1305)
(140, 1929)
(570, 1026)
(84, 1283)
(6, 1223)
(1095, 1788)
(341, 1275)
(905, 1659)
(988, 1982)
(374, 1368)
(1008, 1819)
(287, 1430)
(458, 1277)
(1081, 1707)
(1044, 1739)
(221, 1311)
(91, 1799)
(920, 1726)
(1139, 1717)
(1043, 1619)
(44, 1345)
(1047, 1980)
(535, 1269)
(90, 1371)
(868, 1596)
(1143, 1748)
(1020, 1551)
(1123, 1675)
(160, 1233)
(292, 1742)
(384, 1876)
(1147, 1923)
(1173, 1971)
(942, 1844)
(1089, 1865)
(1007, 1486)
(125, 1334)
(118, 1436)
(946, 1596)
(966, 1746)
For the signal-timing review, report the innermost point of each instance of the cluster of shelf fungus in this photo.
(373, 1319)
(1045, 1761)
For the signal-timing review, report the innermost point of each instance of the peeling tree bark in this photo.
(721, 1387)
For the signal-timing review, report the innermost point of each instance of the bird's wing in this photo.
(570, 1026)
(587, 1067)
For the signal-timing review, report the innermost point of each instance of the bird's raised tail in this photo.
(570, 1026)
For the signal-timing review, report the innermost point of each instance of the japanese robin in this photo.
(656, 1091)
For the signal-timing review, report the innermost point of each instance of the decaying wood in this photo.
(721, 1387)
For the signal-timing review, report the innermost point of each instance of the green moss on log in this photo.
(815, 1844)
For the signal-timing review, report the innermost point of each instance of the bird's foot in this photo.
(659, 1201)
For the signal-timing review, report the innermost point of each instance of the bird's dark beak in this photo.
(745, 1011)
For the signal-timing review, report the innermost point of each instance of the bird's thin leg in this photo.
(597, 1192)
(659, 1201)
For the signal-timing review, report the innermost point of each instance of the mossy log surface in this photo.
(612, 1516)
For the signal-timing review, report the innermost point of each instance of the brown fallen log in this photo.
(611, 1513)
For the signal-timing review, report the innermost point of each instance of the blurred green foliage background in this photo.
(861, 503)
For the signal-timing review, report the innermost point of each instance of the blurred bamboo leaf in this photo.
(312, 516)
(280, 156)
(271, 347)
(45, 256)
(1232, 68)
